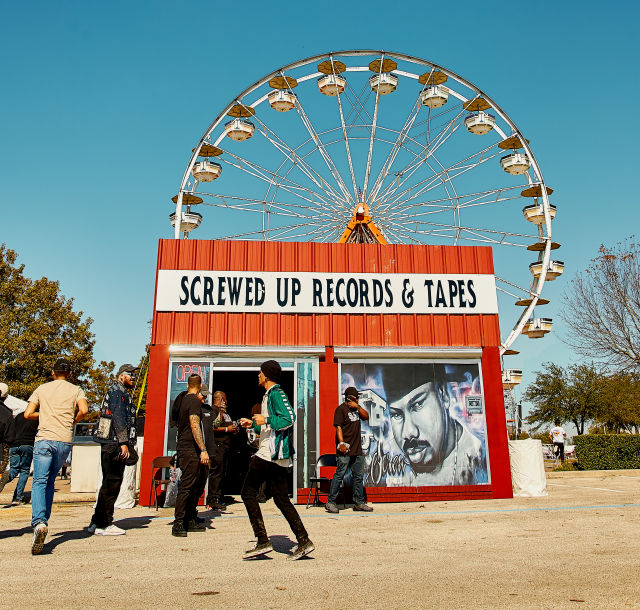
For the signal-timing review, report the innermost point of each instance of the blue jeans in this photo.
(48, 457)
(356, 464)
(20, 465)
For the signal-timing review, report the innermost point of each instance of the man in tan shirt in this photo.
(54, 405)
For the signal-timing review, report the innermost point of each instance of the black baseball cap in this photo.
(62, 365)
(126, 368)
(351, 391)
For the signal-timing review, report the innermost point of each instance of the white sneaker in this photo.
(39, 534)
(92, 528)
(111, 530)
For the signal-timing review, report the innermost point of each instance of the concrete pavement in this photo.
(579, 546)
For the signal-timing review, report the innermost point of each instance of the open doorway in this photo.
(243, 392)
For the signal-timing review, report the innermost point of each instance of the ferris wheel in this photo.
(370, 146)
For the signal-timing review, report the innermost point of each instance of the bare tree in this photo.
(602, 307)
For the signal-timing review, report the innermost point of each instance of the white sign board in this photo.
(339, 293)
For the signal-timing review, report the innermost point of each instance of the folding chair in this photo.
(157, 467)
(328, 459)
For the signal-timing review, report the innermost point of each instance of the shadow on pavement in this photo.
(15, 533)
(62, 537)
(282, 544)
(129, 523)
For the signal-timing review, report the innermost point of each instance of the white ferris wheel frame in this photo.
(187, 186)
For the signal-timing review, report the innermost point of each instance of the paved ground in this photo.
(577, 547)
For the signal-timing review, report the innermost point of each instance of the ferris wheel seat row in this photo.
(536, 328)
(556, 269)
(511, 378)
(535, 213)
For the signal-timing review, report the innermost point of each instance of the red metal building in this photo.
(225, 340)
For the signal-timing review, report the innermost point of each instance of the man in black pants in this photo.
(223, 429)
(115, 432)
(192, 460)
(271, 463)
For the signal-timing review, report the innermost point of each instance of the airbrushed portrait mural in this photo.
(426, 423)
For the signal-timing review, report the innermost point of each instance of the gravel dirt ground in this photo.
(576, 547)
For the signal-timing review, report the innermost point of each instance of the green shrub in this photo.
(608, 452)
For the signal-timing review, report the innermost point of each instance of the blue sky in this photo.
(102, 103)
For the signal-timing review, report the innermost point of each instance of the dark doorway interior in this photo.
(243, 392)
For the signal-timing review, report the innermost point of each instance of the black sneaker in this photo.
(259, 548)
(330, 507)
(196, 526)
(221, 506)
(302, 550)
(365, 508)
(178, 530)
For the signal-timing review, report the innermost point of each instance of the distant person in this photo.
(192, 461)
(223, 429)
(271, 463)
(7, 434)
(346, 420)
(56, 402)
(21, 455)
(116, 434)
(558, 435)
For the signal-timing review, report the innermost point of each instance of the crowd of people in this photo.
(203, 443)
(43, 434)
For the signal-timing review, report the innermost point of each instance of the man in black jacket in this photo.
(7, 434)
(116, 431)
(21, 455)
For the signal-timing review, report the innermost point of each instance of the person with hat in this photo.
(53, 404)
(116, 433)
(349, 455)
(7, 435)
(271, 462)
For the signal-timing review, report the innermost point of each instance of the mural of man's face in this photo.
(418, 425)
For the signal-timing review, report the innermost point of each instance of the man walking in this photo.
(56, 402)
(192, 460)
(21, 455)
(558, 435)
(346, 420)
(271, 463)
(116, 433)
(7, 434)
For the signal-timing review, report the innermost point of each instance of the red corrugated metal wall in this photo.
(324, 329)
